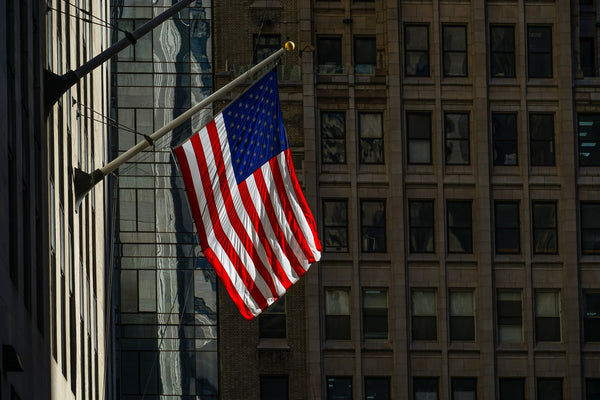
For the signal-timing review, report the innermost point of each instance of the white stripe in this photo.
(216, 247)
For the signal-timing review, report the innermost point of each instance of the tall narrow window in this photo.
(592, 389)
(502, 51)
(377, 388)
(539, 51)
(337, 313)
(510, 321)
(587, 56)
(541, 136)
(464, 388)
(545, 232)
(547, 315)
(372, 221)
(591, 316)
(454, 39)
(456, 130)
(272, 321)
(424, 314)
(329, 55)
(273, 387)
(589, 139)
(462, 315)
(375, 314)
(416, 50)
(370, 130)
(590, 228)
(265, 45)
(549, 389)
(460, 227)
(421, 226)
(335, 225)
(504, 136)
(507, 230)
(418, 126)
(333, 137)
(339, 388)
(425, 388)
(512, 388)
(365, 55)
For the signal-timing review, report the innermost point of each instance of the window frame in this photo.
(453, 227)
(372, 140)
(511, 137)
(542, 331)
(459, 140)
(536, 230)
(510, 396)
(421, 52)
(500, 315)
(547, 387)
(368, 317)
(421, 228)
(428, 317)
(586, 228)
(273, 315)
(264, 378)
(343, 380)
(413, 137)
(511, 231)
(446, 51)
(495, 52)
(368, 66)
(591, 323)
(550, 140)
(548, 53)
(341, 139)
(328, 315)
(273, 47)
(466, 381)
(344, 225)
(461, 317)
(594, 119)
(324, 65)
(364, 227)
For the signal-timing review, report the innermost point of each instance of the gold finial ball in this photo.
(289, 46)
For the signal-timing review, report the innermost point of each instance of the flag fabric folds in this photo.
(254, 224)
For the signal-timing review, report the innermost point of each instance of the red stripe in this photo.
(280, 236)
(286, 206)
(218, 229)
(232, 212)
(300, 196)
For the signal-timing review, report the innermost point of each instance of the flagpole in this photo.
(84, 182)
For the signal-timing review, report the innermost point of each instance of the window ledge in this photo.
(383, 345)
(338, 345)
(274, 344)
(592, 347)
(511, 348)
(546, 259)
(516, 259)
(422, 345)
(456, 257)
(430, 257)
(463, 346)
(590, 260)
(549, 347)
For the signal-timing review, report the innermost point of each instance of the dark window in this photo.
(377, 388)
(416, 50)
(273, 388)
(460, 229)
(265, 45)
(456, 130)
(418, 125)
(333, 137)
(547, 315)
(590, 228)
(375, 314)
(541, 136)
(424, 314)
(512, 388)
(462, 315)
(592, 389)
(504, 136)
(329, 55)
(591, 316)
(455, 50)
(421, 226)
(425, 388)
(549, 389)
(372, 220)
(587, 54)
(510, 321)
(272, 321)
(335, 225)
(544, 228)
(589, 139)
(539, 51)
(370, 131)
(464, 388)
(339, 388)
(365, 55)
(337, 313)
(502, 51)
(508, 232)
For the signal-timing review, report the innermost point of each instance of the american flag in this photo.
(254, 224)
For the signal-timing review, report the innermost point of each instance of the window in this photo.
(456, 130)
(455, 50)
(592, 389)
(424, 314)
(504, 136)
(138, 291)
(549, 389)
(464, 388)
(544, 228)
(459, 234)
(541, 136)
(329, 55)
(273, 388)
(508, 232)
(419, 137)
(462, 315)
(372, 219)
(591, 316)
(416, 50)
(265, 45)
(333, 137)
(337, 313)
(502, 51)
(377, 388)
(425, 388)
(272, 321)
(339, 388)
(589, 139)
(587, 54)
(512, 388)
(370, 131)
(590, 228)
(547, 315)
(510, 316)
(421, 226)
(375, 314)
(539, 51)
(335, 225)
(365, 55)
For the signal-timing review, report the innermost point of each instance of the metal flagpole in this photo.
(84, 182)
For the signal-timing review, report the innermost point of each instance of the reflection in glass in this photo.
(370, 127)
(544, 228)
(335, 225)
(502, 51)
(460, 235)
(421, 226)
(456, 129)
(455, 50)
(419, 137)
(372, 219)
(333, 137)
(416, 49)
(541, 134)
(504, 136)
